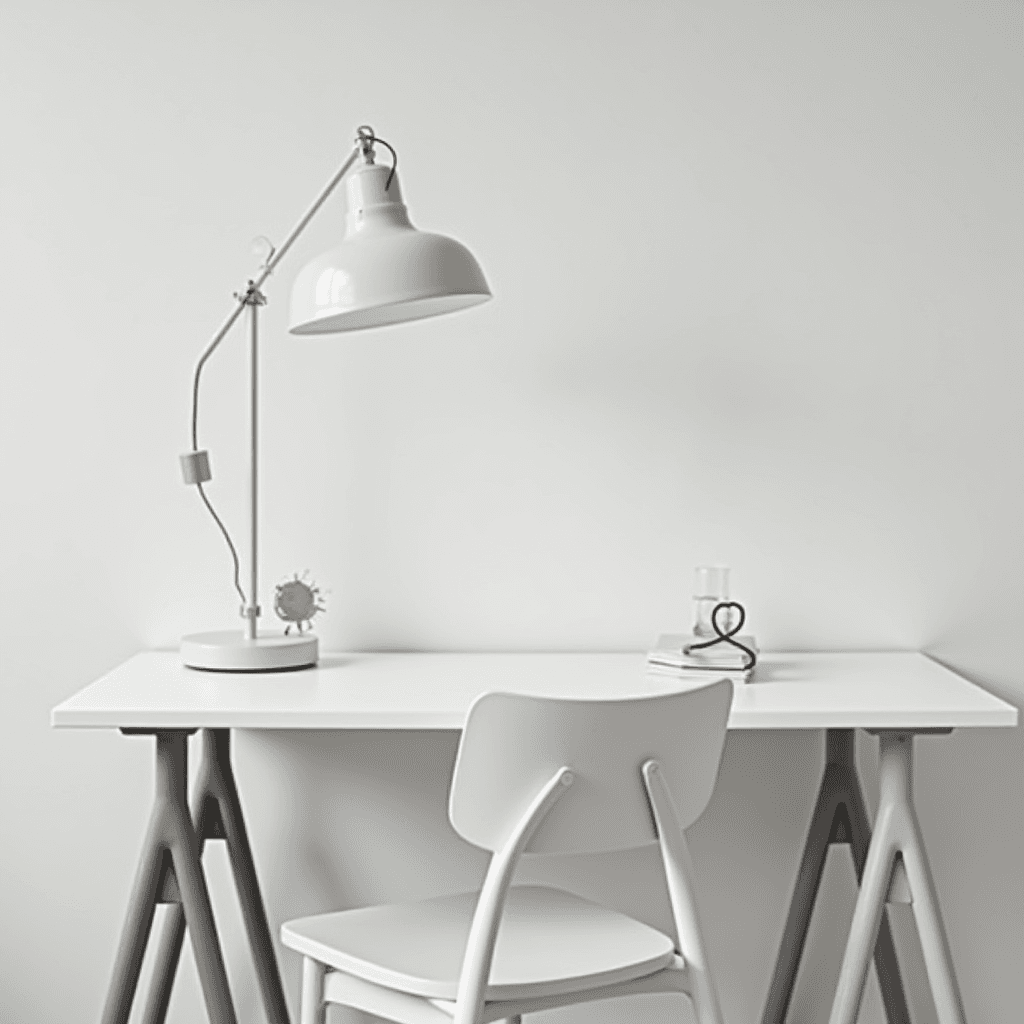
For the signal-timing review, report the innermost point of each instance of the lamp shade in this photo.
(385, 271)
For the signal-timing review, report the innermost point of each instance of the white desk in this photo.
(896, 694)
(900, 690)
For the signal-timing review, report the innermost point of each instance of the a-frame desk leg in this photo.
(169, 872)
(897, 862)
(839, 817)
(217, 814)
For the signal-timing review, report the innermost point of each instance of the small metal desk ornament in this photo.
(727, 634)
(296, 602)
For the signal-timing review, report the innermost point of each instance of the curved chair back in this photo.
(512, 744)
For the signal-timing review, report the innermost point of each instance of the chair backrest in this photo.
(512, 744)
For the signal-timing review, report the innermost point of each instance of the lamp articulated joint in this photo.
(250, 611)
(365, 138)
(252, 296)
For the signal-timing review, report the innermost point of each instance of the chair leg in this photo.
(678, 867)
(314, 1009)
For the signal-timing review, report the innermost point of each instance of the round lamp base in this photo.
(232, 651)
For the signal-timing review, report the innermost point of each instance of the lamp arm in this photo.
(311, 212)
(244, 298)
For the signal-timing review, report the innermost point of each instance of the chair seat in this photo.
(550, 943)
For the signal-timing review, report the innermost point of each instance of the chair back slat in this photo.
(513, 743)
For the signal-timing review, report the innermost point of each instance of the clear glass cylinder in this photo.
(710, 587)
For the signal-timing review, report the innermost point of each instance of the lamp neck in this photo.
(372, 205)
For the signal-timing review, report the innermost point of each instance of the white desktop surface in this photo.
(886, 690)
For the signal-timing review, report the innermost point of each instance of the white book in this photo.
(673, 651)
(707, 674)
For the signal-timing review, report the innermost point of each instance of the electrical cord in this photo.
(227, 537)
(202, 493)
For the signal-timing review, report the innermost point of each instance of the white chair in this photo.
(623, 774)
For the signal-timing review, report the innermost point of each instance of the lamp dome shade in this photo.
(385, 271)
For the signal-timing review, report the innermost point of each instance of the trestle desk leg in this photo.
(839, 817)
(169, 871)
(217, 812)
(897, 848)
(131, 948)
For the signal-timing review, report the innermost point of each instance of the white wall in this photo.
(757, 273)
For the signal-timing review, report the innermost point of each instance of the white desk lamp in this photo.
(384, 272)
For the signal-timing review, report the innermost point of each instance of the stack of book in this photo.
(673, 656)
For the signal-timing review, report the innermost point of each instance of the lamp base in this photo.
(232, 651)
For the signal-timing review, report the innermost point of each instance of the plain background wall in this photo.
(757, 273)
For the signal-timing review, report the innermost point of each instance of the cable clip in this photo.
(195, 467)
